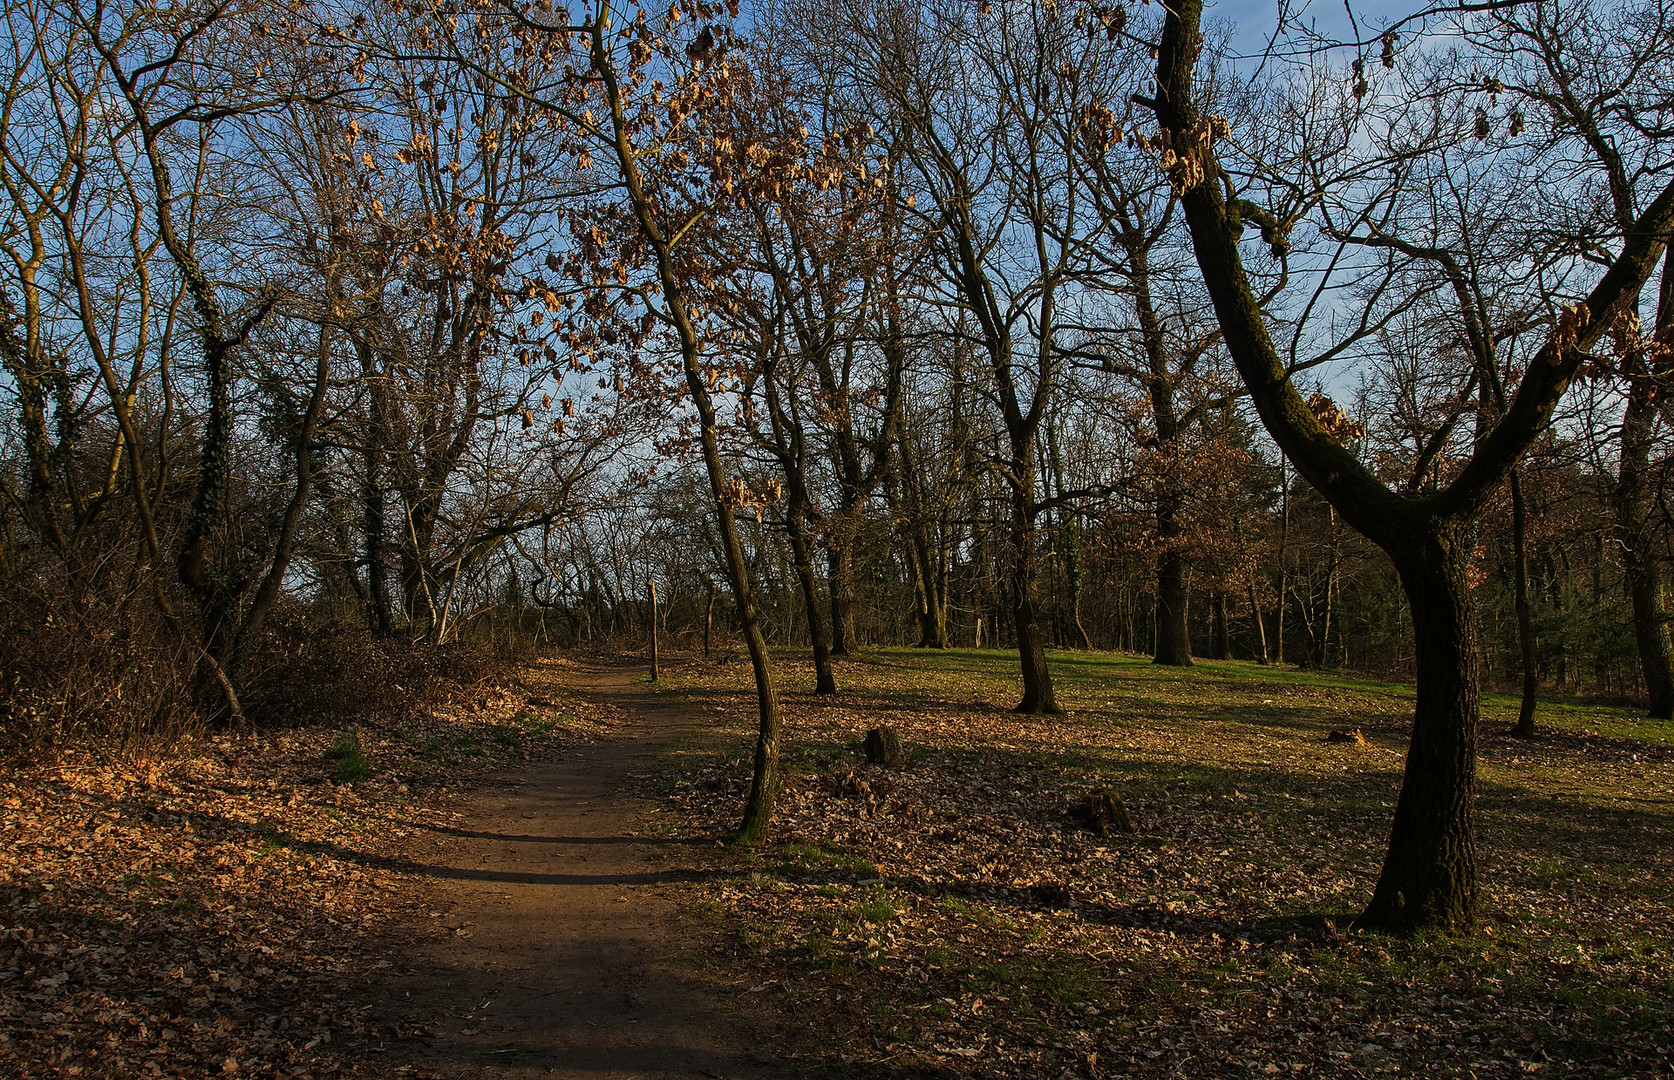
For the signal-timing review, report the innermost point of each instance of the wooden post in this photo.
(708, 619)
(653, 631)
(979, 632)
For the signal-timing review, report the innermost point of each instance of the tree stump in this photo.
(883, 746)
(1104, 812)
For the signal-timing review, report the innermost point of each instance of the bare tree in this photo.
(1429, 873)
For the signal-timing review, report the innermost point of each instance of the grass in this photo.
(876, 911)
(1215, 936)
(352, 764)
(809, 858)
(452, 748)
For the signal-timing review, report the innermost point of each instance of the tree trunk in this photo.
(840, 561)
(1074, 576)
(1038, 696)
(764, 779)
(1644, 575)
(1284, 543)
(932, 601)
(1328, 618)
(284, 543)
(1525, 622)
(708, 619)
(825, 682)
(1173, 640)
(1257, 623)
(944, 585)
(372, 494)
(208, 509)
(1555, 596)
(1429, 872)
(1171, 643)
(1069, 541)
(1642, 570)
(655, 674)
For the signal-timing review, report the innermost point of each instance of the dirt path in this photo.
(568, 957)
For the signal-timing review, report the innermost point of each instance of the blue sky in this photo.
(1255, 19)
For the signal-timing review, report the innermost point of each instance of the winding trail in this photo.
(568, 957)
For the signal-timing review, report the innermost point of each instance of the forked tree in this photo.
(1429, 875)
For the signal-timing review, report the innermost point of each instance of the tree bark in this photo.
(1075, 575)
(1173, 644)
(1069, 541)
(901, 489)
(708, 619)
(929, 590)
(1256, 622)
(1022, 419)
(279, 560)
(372, 492)
(1222, 632)
(1525, 621)
(1284, 545)
(655, 673)
(1429, 871)
(1642, 569)
(839, 563)
(1038, 696)
(825, 681)
(1643, 572)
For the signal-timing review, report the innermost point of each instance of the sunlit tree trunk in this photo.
(1038, 695)
(1642, 567)
(1525, 619)
(825, 681)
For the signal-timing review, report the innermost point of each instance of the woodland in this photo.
(1098, 371)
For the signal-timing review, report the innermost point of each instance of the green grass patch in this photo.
(352, 764)
(452, 748)
(876, 911)
(799, 858)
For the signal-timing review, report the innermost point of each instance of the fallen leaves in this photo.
(951, 916)
(221, 910)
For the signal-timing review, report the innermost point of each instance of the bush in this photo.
(310, 669)
(76, 665)
(84, 665)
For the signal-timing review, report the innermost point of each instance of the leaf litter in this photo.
(220, 908)
(226, 912)
(951, 917)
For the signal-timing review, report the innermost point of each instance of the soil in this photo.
(567, 955)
